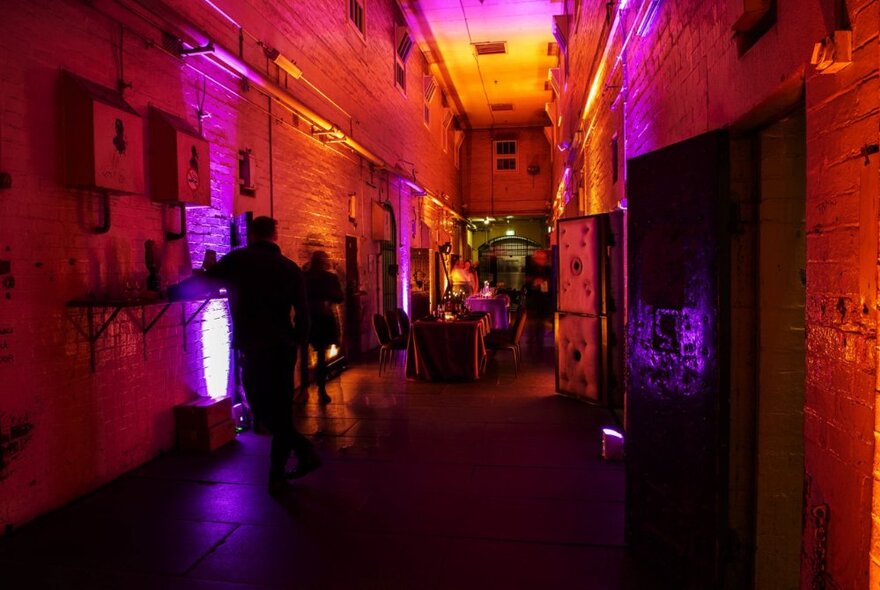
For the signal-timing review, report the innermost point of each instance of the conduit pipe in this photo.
(598, 80)
(228, 60)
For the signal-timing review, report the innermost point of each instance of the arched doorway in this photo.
(502, 260)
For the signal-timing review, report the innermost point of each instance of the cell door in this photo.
(354, 300)
(677, 404)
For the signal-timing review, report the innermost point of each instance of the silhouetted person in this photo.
(194, 159)
(119, 138)
(263, 285)
(538, 299)
(324, 290)
(460, 277)
(472, 276)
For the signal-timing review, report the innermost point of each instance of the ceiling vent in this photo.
(491, 47)
(404, 43)
(501, 106)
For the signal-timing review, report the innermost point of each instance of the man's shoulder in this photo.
(290, 264)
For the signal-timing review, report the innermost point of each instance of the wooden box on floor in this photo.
(204, 424)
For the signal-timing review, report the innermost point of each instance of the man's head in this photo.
(320, 260)
(263, 229)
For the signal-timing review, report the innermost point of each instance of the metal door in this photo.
(677, 357)
(354, 299)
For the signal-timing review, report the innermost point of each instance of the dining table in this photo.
(496, 306)
(448, 349)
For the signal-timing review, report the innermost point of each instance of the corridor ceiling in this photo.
(496, 89)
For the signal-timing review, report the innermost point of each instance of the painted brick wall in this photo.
(513, 192)
(684, 77)
(65, 430)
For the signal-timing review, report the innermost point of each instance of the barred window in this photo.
(505, 156)
(356, 15)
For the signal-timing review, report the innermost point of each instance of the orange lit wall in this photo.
(66, 430)
(509, 192)
(683, 78)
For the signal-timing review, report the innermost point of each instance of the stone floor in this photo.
(494, 484)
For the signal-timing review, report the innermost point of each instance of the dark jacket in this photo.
(263, 285)
(324, 289)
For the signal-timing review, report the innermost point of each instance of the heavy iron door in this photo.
(677, 405)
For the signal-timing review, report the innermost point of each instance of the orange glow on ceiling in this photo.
(448, 30)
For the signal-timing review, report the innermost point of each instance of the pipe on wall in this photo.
(232, 63)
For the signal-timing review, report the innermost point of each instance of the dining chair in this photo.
(393, 323)
(403, 320)
(387, 345)
(509, 339)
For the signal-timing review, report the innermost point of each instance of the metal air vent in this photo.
(491, 47)
(501, 106)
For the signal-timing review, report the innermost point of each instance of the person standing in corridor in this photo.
(263, 287)
(324, 291)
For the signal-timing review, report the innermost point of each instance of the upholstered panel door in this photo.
(580, 266)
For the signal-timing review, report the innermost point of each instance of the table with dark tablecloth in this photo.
(495, 306)
(447, 350)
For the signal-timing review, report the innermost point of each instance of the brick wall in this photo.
(685, 77)
(64, 430)
(507, 192)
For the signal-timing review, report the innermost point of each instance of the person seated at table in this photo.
(460, 277)
(472, 275)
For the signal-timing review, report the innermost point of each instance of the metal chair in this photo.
(509, 339)
(403, 320)
(387, 345)
(393, 323)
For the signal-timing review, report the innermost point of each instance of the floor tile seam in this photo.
(472, 495)
(160, 576)
(100, 514)
(113, 569)
(158, 518)
(578, 467)
(422, 534)
(208, 482)
(217, 544)
(520, 541)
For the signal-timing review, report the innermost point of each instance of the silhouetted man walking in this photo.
(263, 286)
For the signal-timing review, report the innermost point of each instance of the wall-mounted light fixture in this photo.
(246, 175)
(282, 62)
(644, 26)
(332, 135)
(352, 207)
(200, 50)
(833, 53)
